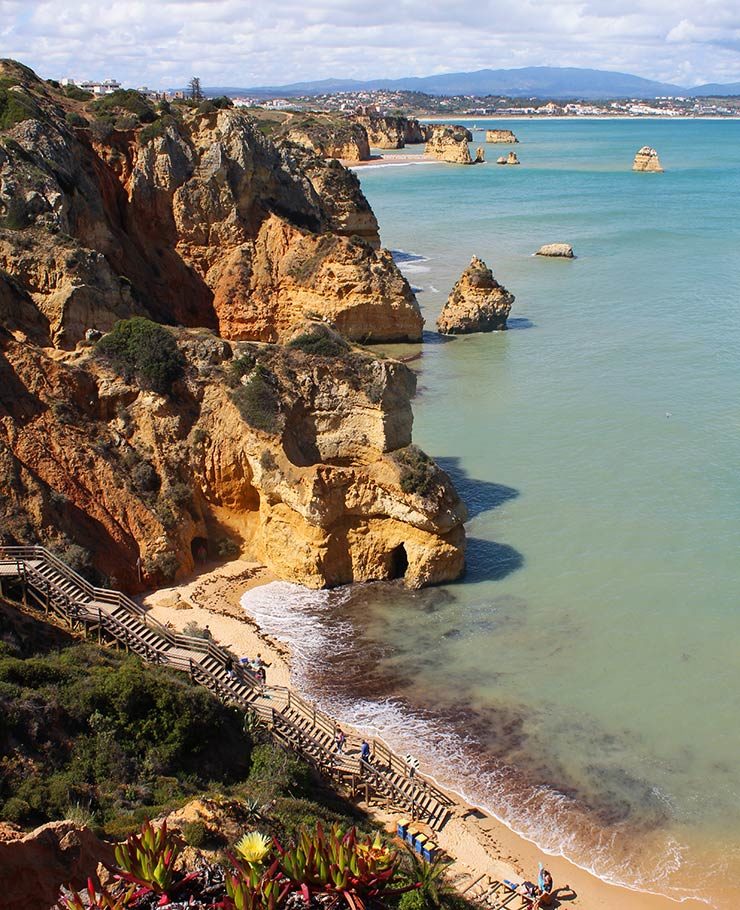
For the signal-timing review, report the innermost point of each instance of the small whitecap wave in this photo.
(310, 623)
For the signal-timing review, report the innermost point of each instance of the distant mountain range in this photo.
(527, 82)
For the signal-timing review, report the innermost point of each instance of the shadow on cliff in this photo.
(478, 495)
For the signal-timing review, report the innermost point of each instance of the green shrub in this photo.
(319, 344)
(195, 834)
(76, 94)
(418, 471)
(144, 478)
(15, 107)
(145, 350)
(412, 900)
(16, 810)
(156, 128)
(240, 366)
(108, 734)
(125, 99)
(75, 119)
(258, 401)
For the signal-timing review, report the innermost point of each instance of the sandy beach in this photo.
(479, 843)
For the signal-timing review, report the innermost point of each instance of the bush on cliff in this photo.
(258, 401)
(320, 344)
(143, 350)
(15, 106)
(418, 471)
(85, 727)
(125, 100)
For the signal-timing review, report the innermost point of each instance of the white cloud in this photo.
(245, 42)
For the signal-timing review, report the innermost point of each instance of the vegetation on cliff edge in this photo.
(145, 351)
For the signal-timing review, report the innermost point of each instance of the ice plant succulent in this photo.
(90, 899)
(253, 847)
(248, 888)
(339, 863)
(147, 859)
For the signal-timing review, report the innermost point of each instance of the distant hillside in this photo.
(530, 81)
(715, 89)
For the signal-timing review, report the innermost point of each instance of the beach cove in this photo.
(593, 640)
(477, 842)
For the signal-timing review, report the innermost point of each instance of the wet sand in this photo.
(478, 842)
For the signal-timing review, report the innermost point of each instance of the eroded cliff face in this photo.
(393, 132)
(175, 223)
(281, 438)
(298, 457)
(449, 143)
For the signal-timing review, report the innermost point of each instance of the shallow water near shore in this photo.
(583, 681)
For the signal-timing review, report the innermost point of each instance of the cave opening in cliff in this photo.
(399, 561)
(199, 549)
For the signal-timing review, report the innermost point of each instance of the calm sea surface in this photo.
(583, 681)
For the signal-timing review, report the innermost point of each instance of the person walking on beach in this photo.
(340, 739)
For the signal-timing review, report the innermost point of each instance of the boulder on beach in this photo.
(647, 159)
(477, 303)
(556, 251)
(500, 136)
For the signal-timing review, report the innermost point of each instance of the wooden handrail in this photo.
(83, 606)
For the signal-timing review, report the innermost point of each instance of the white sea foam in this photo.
(307, 621)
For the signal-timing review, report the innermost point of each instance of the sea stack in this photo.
(647, 160)
(556, 251)
(449, 143)
(511, 158)
(477, 303)
(500, 136)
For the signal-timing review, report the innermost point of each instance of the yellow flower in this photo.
(253, 847)
(375, 852)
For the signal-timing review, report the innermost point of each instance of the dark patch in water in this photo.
(436, 338)
(519, 322)
(402, 256)
(479, 495)
(487, 560)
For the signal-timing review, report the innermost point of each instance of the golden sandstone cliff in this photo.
(278, 435)
(449, 143)
(477, 303)
(646, 159)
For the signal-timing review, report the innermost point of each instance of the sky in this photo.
(162, 43)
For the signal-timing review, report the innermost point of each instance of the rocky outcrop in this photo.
(449, 143)
(34, 866)
(500, 136)
(556, 250)
(329, 137)
(511, 158)
(289, 450)
(480, 155)
(264, 286)
(477, 303)
(646, 159)
(279, 437)
(393, 132)
(178, 224)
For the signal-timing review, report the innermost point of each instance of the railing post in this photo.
(289, 698)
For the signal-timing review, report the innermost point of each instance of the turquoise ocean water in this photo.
(583, 681)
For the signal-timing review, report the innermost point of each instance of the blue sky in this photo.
(161, 43)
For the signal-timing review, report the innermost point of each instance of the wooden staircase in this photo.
(36, 577)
